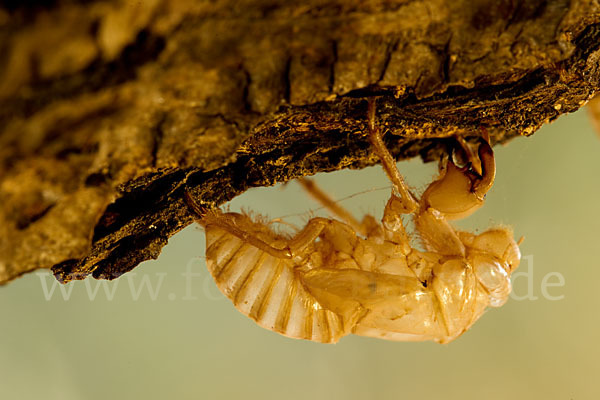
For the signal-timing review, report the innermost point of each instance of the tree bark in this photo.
(111, 110)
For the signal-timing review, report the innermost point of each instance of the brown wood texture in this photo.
(111, 110)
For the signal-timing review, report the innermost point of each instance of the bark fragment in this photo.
(110, 111)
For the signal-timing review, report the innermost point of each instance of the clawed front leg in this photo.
(457, 193)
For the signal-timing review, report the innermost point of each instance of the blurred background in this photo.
(164, 330)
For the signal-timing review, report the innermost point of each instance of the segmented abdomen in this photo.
(267, 289)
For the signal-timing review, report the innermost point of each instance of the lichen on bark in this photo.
(111, 110)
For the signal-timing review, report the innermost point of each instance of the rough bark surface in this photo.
(111, 110)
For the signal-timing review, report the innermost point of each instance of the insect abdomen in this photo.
(266, 288)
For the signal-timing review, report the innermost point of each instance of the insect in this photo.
(337, 277)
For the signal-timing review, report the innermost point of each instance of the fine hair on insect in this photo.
(338, 276)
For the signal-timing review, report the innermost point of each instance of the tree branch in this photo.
(110, 112)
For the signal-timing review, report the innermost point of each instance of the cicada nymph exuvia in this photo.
(341, 276)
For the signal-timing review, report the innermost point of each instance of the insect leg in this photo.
(306, 236)
(393, 227)
(469, 153)
(323, 198)
(225, 222)
(262, 285)
(459, 191)
(389, 164)
(191, 202)
(295, 246)
(402, 200)
(455, 194)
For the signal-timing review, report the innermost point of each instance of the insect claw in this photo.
(199, 210)
(472, 162)
(461, 190)
(488, 170)
(289, 252)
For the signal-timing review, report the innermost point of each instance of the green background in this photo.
(185, 341)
